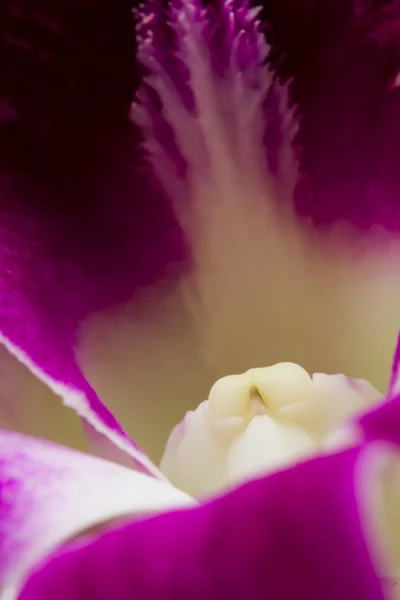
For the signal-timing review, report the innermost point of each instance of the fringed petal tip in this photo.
(209, 104)
(347, 162)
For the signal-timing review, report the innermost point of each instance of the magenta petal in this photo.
(383, 423)
(49, 494)
(81, 225)
(344, 58)
(295, 534)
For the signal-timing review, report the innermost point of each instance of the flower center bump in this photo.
(261, 421)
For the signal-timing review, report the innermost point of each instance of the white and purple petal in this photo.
(82, 227)
(50, 494)
(299, 533)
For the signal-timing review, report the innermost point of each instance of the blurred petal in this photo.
(50, 494)
(383, 423)
(344, 60)
(366, 390)
(295, 534)
(81, 227)
(378, 494)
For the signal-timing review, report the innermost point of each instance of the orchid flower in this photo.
(333, 517)
(205, 171)
(119, 256)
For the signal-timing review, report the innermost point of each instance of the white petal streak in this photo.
(76, 399)
(49, 494)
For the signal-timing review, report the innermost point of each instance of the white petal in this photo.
(50, 493)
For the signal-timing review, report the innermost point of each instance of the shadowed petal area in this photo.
(295, 534)
(49, 494)
(82, 227)
(344, 58)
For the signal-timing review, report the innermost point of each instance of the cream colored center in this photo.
(278, 387)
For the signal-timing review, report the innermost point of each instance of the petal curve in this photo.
(295, 534)
(49, 494)
(79, 395)
(82, 228)
(383, 423)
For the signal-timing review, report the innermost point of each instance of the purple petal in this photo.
(81, 225)
(49, 494)
(383, 423)
(344, 60)
(394, 382)
(296, 534)
(208, 108)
